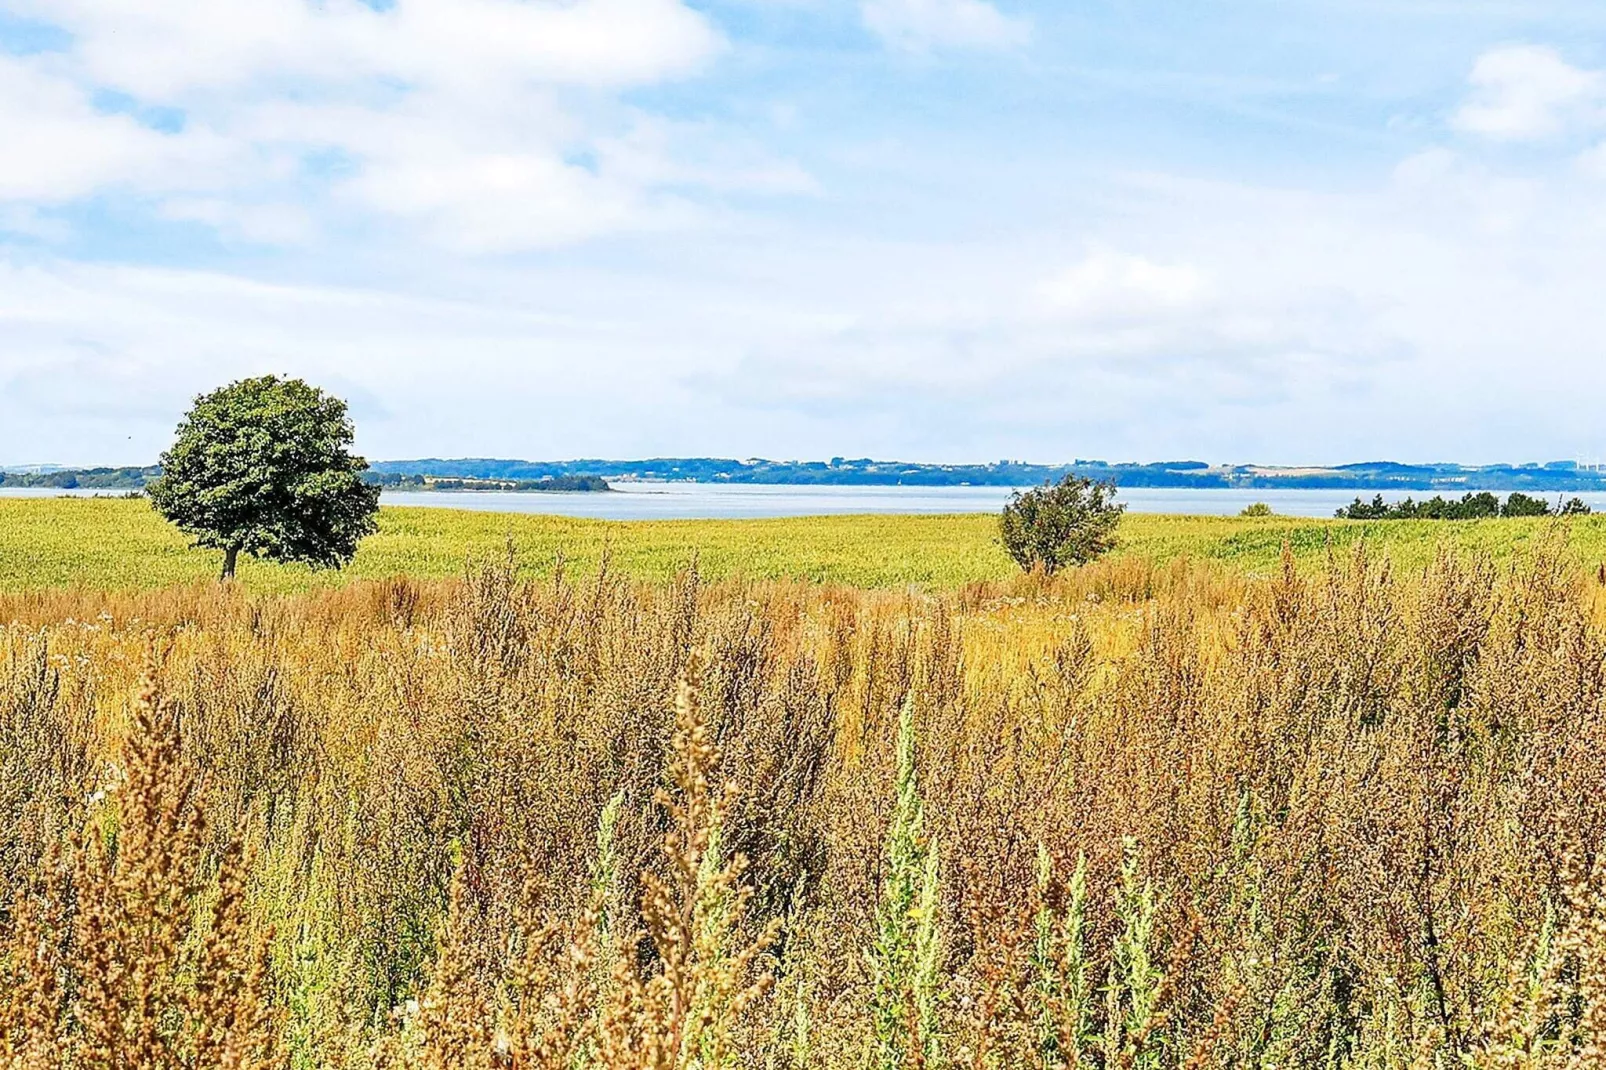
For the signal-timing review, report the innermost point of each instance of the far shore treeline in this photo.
(1480, 506)
(418, 481)
(82, 478)
(136, 479)
(1549, 478)
(593, 474)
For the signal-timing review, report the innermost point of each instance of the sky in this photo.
(1275, 231)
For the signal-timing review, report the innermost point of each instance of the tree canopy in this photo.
(1480, 506)
(1066, 523)
(264, 466)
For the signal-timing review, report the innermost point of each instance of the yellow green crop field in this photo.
(121, 544)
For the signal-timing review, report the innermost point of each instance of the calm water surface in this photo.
(691, 501)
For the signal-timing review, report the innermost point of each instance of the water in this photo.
(691, 501)
(57, 492)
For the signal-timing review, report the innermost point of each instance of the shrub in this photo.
(1257, 509)
(1519, 504)
(1066, 523)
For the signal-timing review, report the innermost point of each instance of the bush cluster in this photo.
(1480, 506)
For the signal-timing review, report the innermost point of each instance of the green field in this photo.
(122, 544)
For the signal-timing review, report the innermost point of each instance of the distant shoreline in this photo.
(495, 490)
(1374, 476)
(420, 484)
(594, 475)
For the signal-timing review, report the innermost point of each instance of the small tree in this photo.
(1066, 523)
(263, 465)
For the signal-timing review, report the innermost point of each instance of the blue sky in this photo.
(1293, 231)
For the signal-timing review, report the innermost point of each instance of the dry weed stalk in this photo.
(708, 973)
(122, 961)
(1359, 784)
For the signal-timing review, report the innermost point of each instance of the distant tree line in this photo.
(420, 482)
(1554, 477)
(135, 478)
(1480, 506)
(82, 478)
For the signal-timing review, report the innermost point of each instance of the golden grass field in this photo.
(121, 544)
(1198, 805)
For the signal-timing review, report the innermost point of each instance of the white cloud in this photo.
(265, 224)
(1179, 318)
(27, 221)
(942, 308)
(483, 122)
(167, 49)
(1592, 162)
(919, 25)
(1528, 92)
(1223, 322)
(1108, 285)
(80, 344)
(59, 147)
(1443, 185)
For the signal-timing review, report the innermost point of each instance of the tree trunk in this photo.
(230, 556)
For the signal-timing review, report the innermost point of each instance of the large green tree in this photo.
(264, 466)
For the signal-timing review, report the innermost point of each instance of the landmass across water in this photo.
(595, 475)
(1554, 476)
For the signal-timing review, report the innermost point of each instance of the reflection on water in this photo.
(690, 501)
